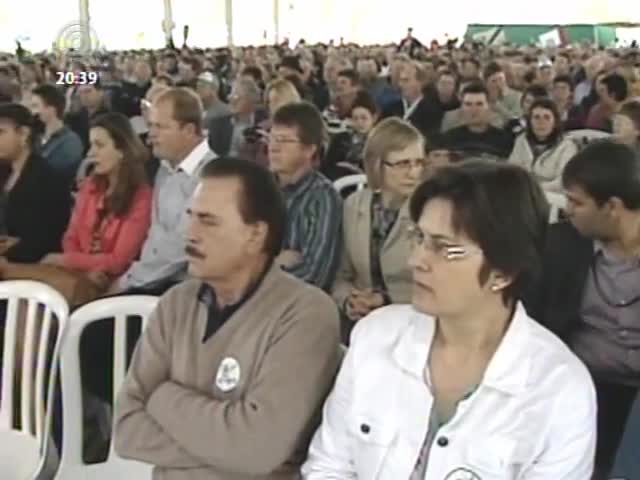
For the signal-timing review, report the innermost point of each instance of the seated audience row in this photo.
(359, 252)
(109, 222)
(270, 377)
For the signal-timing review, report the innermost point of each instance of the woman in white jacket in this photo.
(462, 385)
(542, 148)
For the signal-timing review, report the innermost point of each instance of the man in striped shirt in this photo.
(311, 249)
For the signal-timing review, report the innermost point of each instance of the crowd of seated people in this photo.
(205, 177)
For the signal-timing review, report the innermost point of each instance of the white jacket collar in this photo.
(507, 371)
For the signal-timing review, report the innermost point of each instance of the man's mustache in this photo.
(192, 252)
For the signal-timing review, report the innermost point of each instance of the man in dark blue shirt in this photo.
(60, 146)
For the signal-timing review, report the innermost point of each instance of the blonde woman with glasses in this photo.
(374, 270)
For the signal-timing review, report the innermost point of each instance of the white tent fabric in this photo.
(137, 23)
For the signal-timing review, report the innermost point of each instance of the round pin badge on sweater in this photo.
(228, 375)
(462, 474)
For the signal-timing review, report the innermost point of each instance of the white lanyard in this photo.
(409, 109)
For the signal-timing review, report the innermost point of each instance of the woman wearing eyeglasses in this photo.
(462, 384)
(374, 270)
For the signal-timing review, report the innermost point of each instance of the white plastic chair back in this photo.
(84, 168)
(358, 180)
(22, 448)
(583, 137)
(139, 125)
(558, 203)
(120, 309)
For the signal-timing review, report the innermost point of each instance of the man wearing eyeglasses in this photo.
(314, 208)
(590, 292)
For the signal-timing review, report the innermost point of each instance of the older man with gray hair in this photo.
(237, 134)
(245, 100)
(208, 87)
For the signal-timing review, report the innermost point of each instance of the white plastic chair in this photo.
(139, 125)
(584, 137)
(72, 466)
(83, 169)
(558, 202)
(358, 180)
(22, 449)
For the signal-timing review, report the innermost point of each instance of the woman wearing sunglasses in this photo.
(462, 384)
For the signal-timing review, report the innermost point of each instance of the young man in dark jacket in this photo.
(590, 291)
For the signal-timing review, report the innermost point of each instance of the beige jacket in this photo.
(240, 406)
(549, 166)
(355, 266)
(509, 105)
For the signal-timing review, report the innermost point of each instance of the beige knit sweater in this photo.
(242, 405)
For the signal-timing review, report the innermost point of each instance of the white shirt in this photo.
(191, 161)
(533, 416)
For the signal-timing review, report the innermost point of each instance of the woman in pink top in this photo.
(113, 208)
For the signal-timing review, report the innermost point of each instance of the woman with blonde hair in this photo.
(280, 92)
(374, 270)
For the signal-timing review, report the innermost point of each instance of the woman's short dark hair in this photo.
(606, 169)
(501, 208)
(260, 199)
(131, 172)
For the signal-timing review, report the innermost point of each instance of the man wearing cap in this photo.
(208, 87)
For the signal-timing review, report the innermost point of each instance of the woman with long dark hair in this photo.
(110, 220)
(542, 148)
(112, 213)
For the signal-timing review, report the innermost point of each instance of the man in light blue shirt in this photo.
(176, 137)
